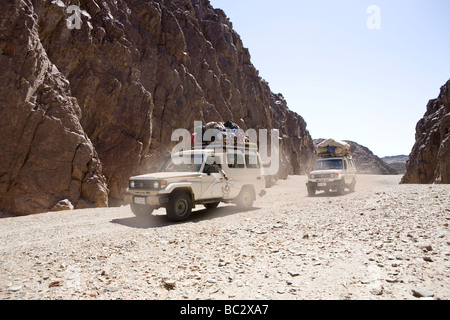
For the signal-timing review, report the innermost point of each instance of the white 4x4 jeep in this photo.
(335, 173)
(210, 176)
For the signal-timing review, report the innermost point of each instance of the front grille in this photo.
(142, 185)
(323, 176)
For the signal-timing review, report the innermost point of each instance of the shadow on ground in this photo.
(331, 194)
(158, 219)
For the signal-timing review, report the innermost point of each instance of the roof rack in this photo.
(224, 145)
(335, 155)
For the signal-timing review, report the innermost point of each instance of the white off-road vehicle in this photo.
(335, 173)
(204, 177)
(334, 169)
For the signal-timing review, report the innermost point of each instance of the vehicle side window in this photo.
(211, 166)
(252, 161)
(235, 161)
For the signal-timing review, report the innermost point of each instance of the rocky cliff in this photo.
(429, 161)
(45, 155)
(90, 95)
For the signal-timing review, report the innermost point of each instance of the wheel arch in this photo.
(187, 190)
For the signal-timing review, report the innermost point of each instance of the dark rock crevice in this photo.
(429, 161)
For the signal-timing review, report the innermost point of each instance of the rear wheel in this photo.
(179, 207)
(245, 199)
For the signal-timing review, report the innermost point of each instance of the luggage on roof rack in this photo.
(225, 131)
(333, 148)
(224, 145)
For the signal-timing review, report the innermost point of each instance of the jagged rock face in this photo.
(45, 156)
(297, 151)
(141, 69)
(429, 161)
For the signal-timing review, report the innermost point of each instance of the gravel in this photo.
(384, 241)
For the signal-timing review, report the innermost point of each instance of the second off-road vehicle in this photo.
(332, 174)
(334, 169)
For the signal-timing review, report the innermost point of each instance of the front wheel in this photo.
(311, 191)
(341, 188)
(140, 210)
(179, 207)
(352, 186)
(211, 205)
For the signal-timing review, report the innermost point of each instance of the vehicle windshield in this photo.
(186, 163)
(329, 164)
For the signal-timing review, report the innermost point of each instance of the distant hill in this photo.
(366, 162)
(397, 162)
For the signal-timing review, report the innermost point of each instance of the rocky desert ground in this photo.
(384, 241)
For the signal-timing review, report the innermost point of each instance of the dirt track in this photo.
(384, 241)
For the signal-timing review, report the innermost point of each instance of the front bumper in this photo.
(325, 185)
(154, 201)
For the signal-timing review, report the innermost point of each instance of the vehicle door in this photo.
(235, 170)
(214, 179)
(254, 173)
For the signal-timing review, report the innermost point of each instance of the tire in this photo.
(211, 205)
(179, 207)
(311, 191)
(341, 188)
(141, 210)
(245, 199)
(352, 186)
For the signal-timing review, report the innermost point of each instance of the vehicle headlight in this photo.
(159, 184)
(132, 184)
(312, 176)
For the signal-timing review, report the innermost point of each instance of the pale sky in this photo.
(347, 81)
